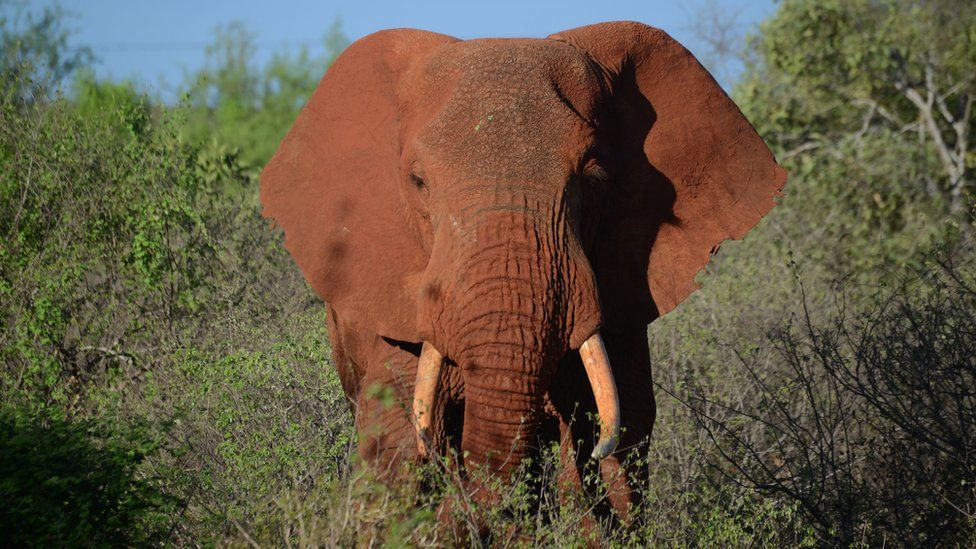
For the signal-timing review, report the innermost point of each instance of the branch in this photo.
(121, 355)
(885, 113)
(925, 111)
(809, 145)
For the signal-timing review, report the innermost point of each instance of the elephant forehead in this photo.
(516, 109)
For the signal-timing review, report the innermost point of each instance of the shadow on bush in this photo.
(865, 419)
(65, 483)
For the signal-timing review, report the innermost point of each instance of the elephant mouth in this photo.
(595, 361)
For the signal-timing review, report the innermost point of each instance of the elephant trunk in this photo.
(511, 330)
(598, 370)
(515, 296)
(505, 377)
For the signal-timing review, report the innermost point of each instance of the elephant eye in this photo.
(587, 193)
(418, 181)
(596, 174)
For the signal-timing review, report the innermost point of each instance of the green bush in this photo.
(71, 483)
(141, 288)
(106, 248)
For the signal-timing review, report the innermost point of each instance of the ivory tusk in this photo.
(425, 389)
(597, 365)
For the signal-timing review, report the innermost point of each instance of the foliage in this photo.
(72, 483)
(104, 245)
(34, 52)
(250, 108)
(868, 199)
(864, 421)
(848, 80)
(93, 99)
(530, 512)
(142, 289)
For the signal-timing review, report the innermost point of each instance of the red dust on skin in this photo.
(503, 200)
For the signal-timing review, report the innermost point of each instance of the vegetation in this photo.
(251, 108)
(164, 371)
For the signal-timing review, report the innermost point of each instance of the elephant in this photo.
(494, 223)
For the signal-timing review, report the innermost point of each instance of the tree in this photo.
(250, 108)
(837, 76)
(718, 37)
(34, 52)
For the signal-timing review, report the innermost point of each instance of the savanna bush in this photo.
(865, 419)
(141, 289)
(78, 483)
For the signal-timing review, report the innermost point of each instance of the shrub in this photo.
(864, 420)
(140, 287)
(75, 484)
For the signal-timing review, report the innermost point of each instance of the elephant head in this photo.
(503, 201)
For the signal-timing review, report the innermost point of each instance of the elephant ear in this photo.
(334, 186)
(688, 170)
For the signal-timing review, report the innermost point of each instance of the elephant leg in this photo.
(570, 484)
(383, 419)
(576, 408)
(349, 373)
(569, 480)
(627, 470)
(574, 401)
(378, 379)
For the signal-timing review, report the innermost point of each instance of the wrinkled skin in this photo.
(504, 200)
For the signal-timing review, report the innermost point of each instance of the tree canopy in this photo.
(250, 108)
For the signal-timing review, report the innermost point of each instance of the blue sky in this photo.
(156, 43)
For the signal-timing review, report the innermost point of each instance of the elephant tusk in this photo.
(597, 365)
(425, 389)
